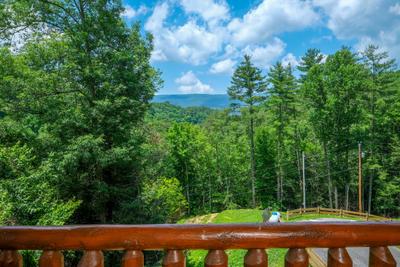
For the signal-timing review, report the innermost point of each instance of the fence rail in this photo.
(174, 239)
(339, 212)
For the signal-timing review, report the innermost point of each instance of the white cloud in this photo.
(189, 43)
(223, 66)
(272, 17)
(290, 59)
(156, 21)
(189, 83)
(129, 12)
(395, 9)
(264, 56)
(368, 21)
(210, 10)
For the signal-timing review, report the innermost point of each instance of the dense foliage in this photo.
(81, 143)
(337, 103)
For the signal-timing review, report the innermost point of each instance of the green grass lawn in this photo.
(195, 258)
(235, 257)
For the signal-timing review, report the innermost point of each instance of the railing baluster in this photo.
(10, 258)
(296, 257)
(216, 258)
(133, 258)
(51, 259)
(256, 257)
(339, 257)
(174, 258)
(381, 256)
(92, 258)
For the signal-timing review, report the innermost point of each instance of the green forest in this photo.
(82, 143)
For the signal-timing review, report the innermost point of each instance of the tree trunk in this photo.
(370, 192)
(347, 188)
(336, 198)
(187, 186)
(252, 152)
(328, 169)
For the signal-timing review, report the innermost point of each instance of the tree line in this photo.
(250, 155)
(81, 142)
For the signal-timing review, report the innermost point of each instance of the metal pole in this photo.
(359, 178)
(304, 181)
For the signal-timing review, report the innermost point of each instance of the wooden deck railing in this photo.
(338, 212)
(175, 239)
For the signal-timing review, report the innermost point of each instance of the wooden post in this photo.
(174, 258)
(10, 258)
(339, 257)
(133, 258)
(360, 209)
(216, 258)
(304, 180)
(92, 258)
(51, 259)
(381, 257)
(256, 258)
(296, 257)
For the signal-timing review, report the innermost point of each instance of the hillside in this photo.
(195, 100)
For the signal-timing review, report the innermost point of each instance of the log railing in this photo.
(175, 239)
(338, 212)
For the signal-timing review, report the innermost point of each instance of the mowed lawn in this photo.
(195, 258)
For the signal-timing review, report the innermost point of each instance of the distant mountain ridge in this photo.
(195, 100)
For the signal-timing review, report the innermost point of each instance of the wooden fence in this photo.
(338, 212)
(175, 239)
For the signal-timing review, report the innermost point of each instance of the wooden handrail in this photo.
(230, 236)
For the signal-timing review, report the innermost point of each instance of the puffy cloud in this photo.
(189, 83)
(156, 21)
(290, 59)
(351, 19)
(395, 9)
(210, 10)
(223, 66)
(189, 43)
(129, 12)
(264, 56)
(272, 17)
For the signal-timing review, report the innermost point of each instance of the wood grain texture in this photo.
(10, 258)
(339, 257)
(216, 258)
(256, 258)
(230, 236)
(174, 258)
(296, 257)
(92, 258)
(381, 256)
(51, 259)
(133, 258)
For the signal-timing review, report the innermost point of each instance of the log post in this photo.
(381, 256)
(216, 258)
(174, 258)
(133, 258)
(92, 258)
(296, 257)
(256, 257)
(51, 258)
(339, 257)
(10, 258)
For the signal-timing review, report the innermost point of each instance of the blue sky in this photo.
(198, 43)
